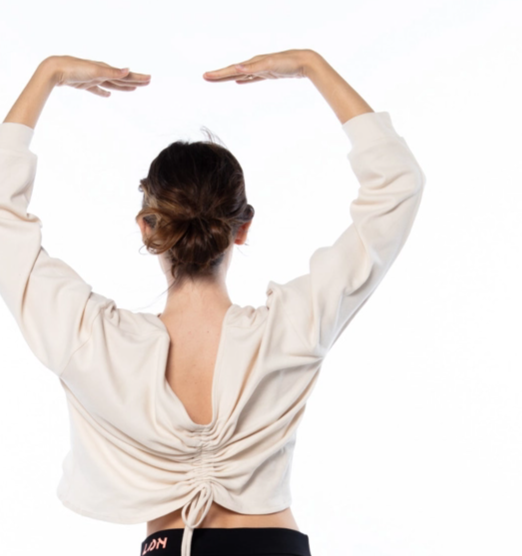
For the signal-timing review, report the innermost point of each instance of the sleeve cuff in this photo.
(367, 128)
(15, 136)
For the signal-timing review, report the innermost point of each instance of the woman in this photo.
(187, 420)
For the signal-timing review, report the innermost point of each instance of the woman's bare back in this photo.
(190, 367)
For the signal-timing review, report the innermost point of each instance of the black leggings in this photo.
(236, 541)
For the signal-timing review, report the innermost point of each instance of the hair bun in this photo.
(206, 222)
(204, 239)
(194, 202)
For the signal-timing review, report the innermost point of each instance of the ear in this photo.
(242, 233)
(144, 227)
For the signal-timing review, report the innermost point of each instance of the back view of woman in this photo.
(187, 420)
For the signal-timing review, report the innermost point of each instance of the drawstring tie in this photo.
(202, 499)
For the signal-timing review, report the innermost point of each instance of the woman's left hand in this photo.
(92, 75)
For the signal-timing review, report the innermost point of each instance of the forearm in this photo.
(342, 98)
(29, 105)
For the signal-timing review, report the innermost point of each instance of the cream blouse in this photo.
(135, 454)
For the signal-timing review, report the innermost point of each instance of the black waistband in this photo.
(234, 541)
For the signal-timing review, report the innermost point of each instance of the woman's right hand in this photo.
(278, 65)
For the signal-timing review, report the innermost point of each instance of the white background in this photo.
(412, 440)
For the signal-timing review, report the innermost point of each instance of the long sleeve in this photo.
(320, 304)
(53, 307)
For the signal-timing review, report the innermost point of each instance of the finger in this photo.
(115, 73)
(107, 66)
(98, 91)
(138, 82)
(137, 77)
(253, 66)
(118, 87)
(253, 80)
(123, 73)
(211, 79)
(238, 70)
(224, 74)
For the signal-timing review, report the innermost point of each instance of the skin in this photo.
(201, 298)
(346, 104)
(96, 77)
(196, 299)
(59, 71)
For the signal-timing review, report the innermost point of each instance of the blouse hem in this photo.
(154, 515)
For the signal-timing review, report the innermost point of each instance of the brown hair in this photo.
(194, 201)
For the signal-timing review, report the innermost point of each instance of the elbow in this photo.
(419, 179)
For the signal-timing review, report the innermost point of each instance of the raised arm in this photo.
(342, 276)
(310, 312)
(54, 308)
(342, 98)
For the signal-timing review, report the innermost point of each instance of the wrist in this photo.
(312, 61)
(50, 70)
